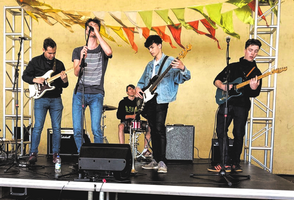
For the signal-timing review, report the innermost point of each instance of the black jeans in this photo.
(239, 115)
(156, 115)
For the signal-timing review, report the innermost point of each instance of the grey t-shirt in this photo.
(92, 80)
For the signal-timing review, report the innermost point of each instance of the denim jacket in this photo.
(167, 89)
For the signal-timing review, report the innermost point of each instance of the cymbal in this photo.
(107, 107)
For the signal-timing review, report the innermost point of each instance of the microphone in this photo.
(91, 28)
(228, 39)
(23, 38)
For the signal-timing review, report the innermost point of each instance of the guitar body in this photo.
(221, 95)
(38, 90)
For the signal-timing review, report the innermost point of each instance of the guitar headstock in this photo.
(279, 70)
(185, 51)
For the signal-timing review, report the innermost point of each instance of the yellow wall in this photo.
(195, 103)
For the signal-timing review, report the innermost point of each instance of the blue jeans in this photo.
(55, 107)
(95, 102)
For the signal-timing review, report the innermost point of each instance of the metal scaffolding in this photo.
(260, 128)
(17, 51)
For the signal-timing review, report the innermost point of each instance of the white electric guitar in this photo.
(37, 90)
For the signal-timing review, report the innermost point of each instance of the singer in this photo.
(238, 107)
(90, 88)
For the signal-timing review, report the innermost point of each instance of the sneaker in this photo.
(237, 168)
(152, 165)
(162, 168)
(55, 157)
(147, 154)
(217, 168)
(33, 158)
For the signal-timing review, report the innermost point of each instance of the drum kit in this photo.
(135, 129)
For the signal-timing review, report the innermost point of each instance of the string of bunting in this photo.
(213, 18)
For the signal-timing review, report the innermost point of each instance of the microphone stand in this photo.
(224, 148)
(15, 88)
(82, 66)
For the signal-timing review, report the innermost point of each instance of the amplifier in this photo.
(180, 142)
(215, 152)
(67, 143)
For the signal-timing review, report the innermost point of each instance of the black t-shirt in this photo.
(127, 107)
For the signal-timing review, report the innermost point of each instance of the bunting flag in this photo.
(160, 30)
(212, 13)
(211, 30)
(147, 17)
(130, 34)
(252, 6)
(176, 32)
(180, 13)
(164, 15)
(145, 32)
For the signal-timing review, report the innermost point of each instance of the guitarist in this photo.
(156, 108)
(51, 100)
(239, 106)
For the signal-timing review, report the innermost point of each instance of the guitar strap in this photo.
(250, 72)
(54, 65)
(160, 69)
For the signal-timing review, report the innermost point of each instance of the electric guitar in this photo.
(221, 96)
(37, 90)
(149, 90)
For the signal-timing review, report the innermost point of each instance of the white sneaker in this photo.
(152, 165)
(162, 168)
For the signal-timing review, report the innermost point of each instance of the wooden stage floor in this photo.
(181, 182)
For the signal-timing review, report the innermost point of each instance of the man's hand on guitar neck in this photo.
(39, 80)
(63, 76)
(254, 83)
(178, 64)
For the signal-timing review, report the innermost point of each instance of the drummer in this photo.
(126, 112)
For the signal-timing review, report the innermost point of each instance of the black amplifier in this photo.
(67, 142)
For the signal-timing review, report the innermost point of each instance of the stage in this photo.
(181, 181)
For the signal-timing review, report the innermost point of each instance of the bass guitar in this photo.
(37, 90)
(221, 96)
(149, 90)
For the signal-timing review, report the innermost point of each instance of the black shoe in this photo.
(33, 158)
(237, 168)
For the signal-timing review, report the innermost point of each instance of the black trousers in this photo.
(239, 117)
(156, 115)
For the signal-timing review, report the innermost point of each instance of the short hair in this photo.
(152, 39)
(95, 20)
(252, 42)
(130, 85)
(48, 42)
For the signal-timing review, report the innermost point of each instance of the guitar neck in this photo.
(154, 85)
(248, 81)
(58, 75)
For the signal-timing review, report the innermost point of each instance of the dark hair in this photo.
(252, 42)
(130, 85)
(95, 20)
(48, 42)
(152, 39)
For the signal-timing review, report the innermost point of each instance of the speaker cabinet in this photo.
(116, 158)
(215, 152)
(180, 142)
(67, 143)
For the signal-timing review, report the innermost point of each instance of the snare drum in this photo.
(136, 125)
(139, 125)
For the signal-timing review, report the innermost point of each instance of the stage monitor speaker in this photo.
(116, 158)
(180, 142)
(215, 152)
(67, 143)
